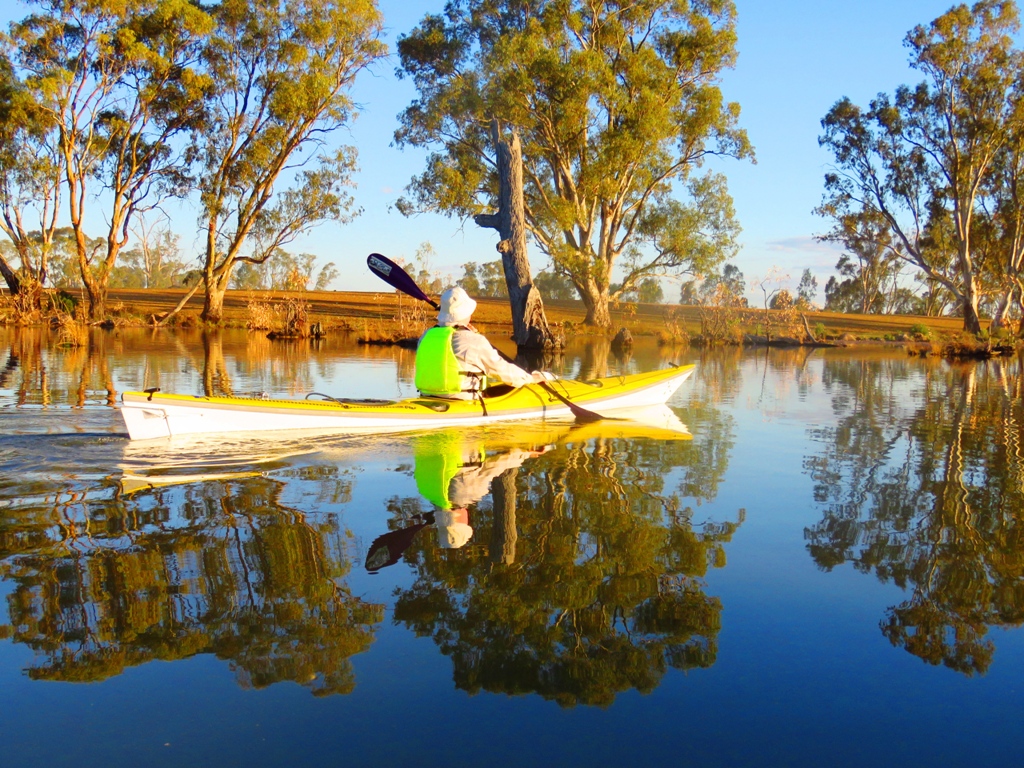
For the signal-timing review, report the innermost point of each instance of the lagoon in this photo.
(831, 571)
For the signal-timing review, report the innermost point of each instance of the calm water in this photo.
(831, 572)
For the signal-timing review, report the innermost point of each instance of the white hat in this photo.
(456, 307)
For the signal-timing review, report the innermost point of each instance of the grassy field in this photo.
(388, 314)
(388, 309)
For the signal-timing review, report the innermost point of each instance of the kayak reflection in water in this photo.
(452, 474)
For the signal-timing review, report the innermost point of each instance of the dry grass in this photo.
(260, 315)
(296, 317)
(24, 308)
(285, 318)
(388, 316)
(72, 327)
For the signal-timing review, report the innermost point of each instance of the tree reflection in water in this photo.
(217, 567)
(928, 492)
(584, 576)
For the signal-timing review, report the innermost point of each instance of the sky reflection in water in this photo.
(829, 571)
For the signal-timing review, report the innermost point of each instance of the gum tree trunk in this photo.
(530, 328)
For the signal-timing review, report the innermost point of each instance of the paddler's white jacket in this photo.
(473, 351)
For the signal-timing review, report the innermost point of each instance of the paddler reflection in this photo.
(453, 473)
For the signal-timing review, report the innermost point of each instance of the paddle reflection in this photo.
(583, 576)
(928, 492)
(216, 567)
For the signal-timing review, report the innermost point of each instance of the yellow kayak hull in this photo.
(151, 415)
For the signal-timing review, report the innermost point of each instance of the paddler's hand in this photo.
(543, 376)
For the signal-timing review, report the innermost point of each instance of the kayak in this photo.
(206, 458)
(153, 414)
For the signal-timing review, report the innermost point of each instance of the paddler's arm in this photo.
(476, 352)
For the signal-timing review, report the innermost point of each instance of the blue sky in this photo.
(796, 59)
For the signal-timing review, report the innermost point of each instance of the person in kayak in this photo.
(453, 360)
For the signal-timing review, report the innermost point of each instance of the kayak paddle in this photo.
(582, 414)
(398, 278)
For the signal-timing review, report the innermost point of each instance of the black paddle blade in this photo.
(396, 277)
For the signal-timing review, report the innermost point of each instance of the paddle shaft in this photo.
(398, 278)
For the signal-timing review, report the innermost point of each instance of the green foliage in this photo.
(724, 289)
(492, 280)
(470, 280)
(328, 274)
(63, 302)
(869, 271)
(920, 330)
(648, 290)
(934, 168)
(553, 285)
(31, 170)
(153, 262)
(282, 75)
(487, 280)
(120, 85)
(616, 112)
(283, 271)
(807, 290)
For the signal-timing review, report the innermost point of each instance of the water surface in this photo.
(831, 571)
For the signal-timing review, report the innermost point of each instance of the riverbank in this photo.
(388, 316)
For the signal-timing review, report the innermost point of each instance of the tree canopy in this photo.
(618, 105)
(121, 84)
(935, 164)
(283, 74)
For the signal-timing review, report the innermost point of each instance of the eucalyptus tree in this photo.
(154, 261)
(30, 181)
(929, 151)
(282, 74)
(869, 268)
(121, 83)
(617, 105)
(1004, 223)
